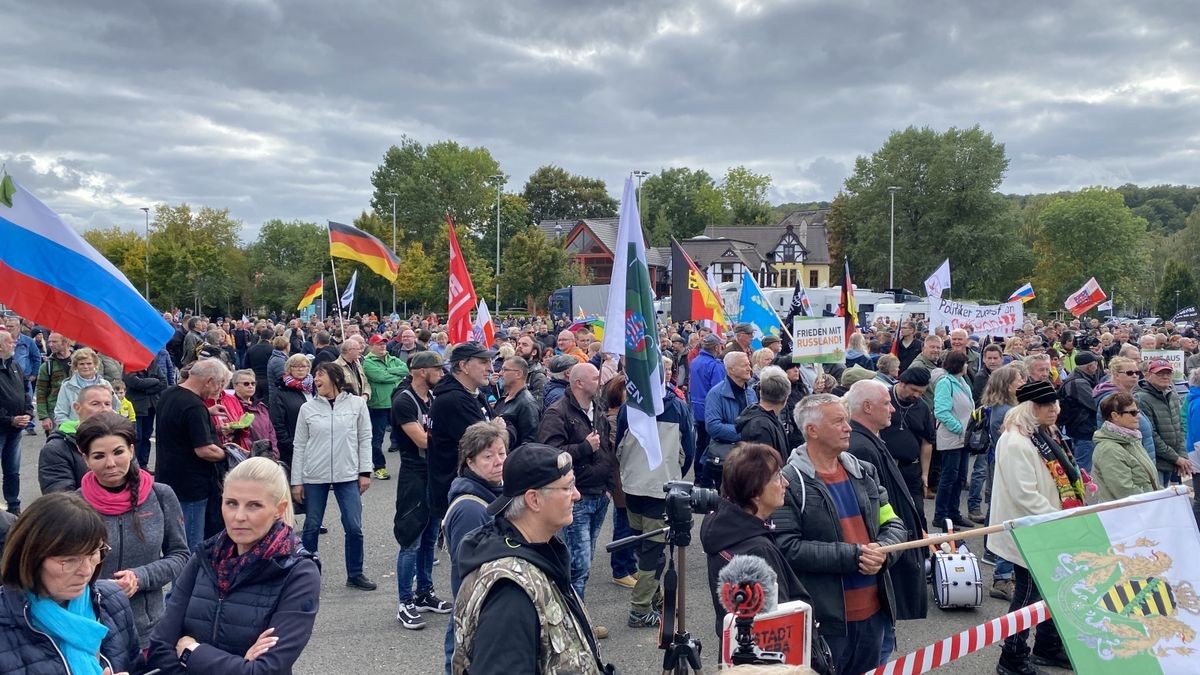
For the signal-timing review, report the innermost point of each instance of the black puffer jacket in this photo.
(281, 593)
(60, 465)
(26, 651)
(566, 426)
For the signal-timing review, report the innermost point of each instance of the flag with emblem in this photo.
(633, 331)
(1120, 580)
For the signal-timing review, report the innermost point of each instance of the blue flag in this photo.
(754, 309)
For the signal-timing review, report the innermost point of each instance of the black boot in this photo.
(1017, 666)
(1056, 657)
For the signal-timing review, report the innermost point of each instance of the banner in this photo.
(994, 320)
(462, 291)
(1186, 314)
(1175, 356)
(818, 339)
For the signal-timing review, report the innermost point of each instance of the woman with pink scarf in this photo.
(143, 518)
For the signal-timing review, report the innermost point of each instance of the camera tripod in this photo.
(681, 652)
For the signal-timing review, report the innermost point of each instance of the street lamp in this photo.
(1176, 300)
(146, 210)
(393, 196)
(499, 178)
(892, 190)
(639, 175)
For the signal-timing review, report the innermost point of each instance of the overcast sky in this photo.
(282, 109)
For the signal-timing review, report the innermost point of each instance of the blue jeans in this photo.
(145, 431)
(623, 562)
(950, 485)
(416, 562)
(979, 472)
(380, 421)
(10, 464)
(587, 515)
(193, 522)
(448, 647)
(350, 504)
(1083, 454)
(889, 643)
(858, 650)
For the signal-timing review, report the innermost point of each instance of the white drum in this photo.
(956, 583)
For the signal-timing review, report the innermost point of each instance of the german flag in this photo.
(691, 298)
(354, 244)
(311, 294)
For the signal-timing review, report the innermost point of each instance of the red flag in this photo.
(847, 307)
(462, 292)
(1085, 298)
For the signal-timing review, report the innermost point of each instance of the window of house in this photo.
(813, 278)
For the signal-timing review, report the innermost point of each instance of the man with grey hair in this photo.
(514, 575)
(1039, 367)
(187, 443)
(60, 464)
(834, 519)
(351, 363)
(516, 406)
(759, 422)
(724, 402)
(869, 403)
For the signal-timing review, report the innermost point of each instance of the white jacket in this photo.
(1022, 487)
(332, 441)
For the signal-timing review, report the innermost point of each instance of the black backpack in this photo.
(978, 437)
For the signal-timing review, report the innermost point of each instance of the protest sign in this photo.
(818, 339)
(995, 320)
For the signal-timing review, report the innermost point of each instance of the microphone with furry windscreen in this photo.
(748, 587)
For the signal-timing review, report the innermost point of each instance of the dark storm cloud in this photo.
(283, 109)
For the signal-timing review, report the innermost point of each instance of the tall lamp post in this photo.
(499, 178)
(393, 196)
(892, 190)
(146, 210)
(639, 175)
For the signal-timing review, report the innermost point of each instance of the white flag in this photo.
(1105, 307)
(939, 281)
(348, 294)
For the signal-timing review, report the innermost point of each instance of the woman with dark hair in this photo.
(753, 487)
(332, 453)
(1121, 465)
(247, 601)
(952, 407)
(143, 518)
(56, 614)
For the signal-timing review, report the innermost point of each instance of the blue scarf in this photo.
(75, 630)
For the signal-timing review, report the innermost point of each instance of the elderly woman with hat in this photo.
(1035, 474)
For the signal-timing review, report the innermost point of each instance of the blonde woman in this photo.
(85, 372)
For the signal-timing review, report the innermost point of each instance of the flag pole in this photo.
(760, 292)
(337, 297)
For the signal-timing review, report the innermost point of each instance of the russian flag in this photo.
(1023, 294)
(51, 276)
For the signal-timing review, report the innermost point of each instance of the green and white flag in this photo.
(630, 329)
(1120, 581)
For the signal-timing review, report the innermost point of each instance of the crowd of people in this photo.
(516, 454)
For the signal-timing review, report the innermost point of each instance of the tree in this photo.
(125, 249)
(190, 253)
(745, 195)
(1090, 233)
(429, 180)
(947, 206)
(1178, 289)
(554, 194)
(514, 216)
(416, 281)
(683, 201)
(781, 211)
(286, 258)
(534, 266)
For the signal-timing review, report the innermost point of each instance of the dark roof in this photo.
(605, 231)
(705, 251)
(549, 227)
(809, 227)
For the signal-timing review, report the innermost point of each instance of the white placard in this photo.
(995, 320)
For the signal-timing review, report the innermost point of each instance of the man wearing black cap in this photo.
(458, 403)
(910, 436)
(1078, 417)
(516, 611)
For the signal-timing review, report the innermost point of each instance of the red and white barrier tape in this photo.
(971, 640)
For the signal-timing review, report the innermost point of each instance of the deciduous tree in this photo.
(553, 193)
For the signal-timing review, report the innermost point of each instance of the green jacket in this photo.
(384, 373)
(1163, 409)
(1120, 466)
(49, 379)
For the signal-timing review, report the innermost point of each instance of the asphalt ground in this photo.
(357, 631)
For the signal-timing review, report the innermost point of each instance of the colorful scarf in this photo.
(1122, 431)
(1072, 482)
(74, 629)
(305, 385)
(108, 503)
(279, 540)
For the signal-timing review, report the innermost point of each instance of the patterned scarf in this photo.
(279, 540)
(305, 385)
(1072, 482)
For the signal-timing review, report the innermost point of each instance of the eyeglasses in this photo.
(73, 563)
(568, 488)
(779, 477)
(1133, 412)
(246, 384)
(1129, 373)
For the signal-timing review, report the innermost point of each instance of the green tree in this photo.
(190, 254)
(1178, 289)
(514, 216)
(429, 180)
(534, 266)
(947, 206)
(125, 249)
(686, 201)
(286, 258)
(1090, 233)
(416, 282)
(745, 195)
(553, 193)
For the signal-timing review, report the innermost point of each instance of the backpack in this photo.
(978, 436)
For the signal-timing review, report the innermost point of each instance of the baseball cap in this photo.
(471, 350)
(376, 339)
(1158, 366)
(529, 467)
(425, 360)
